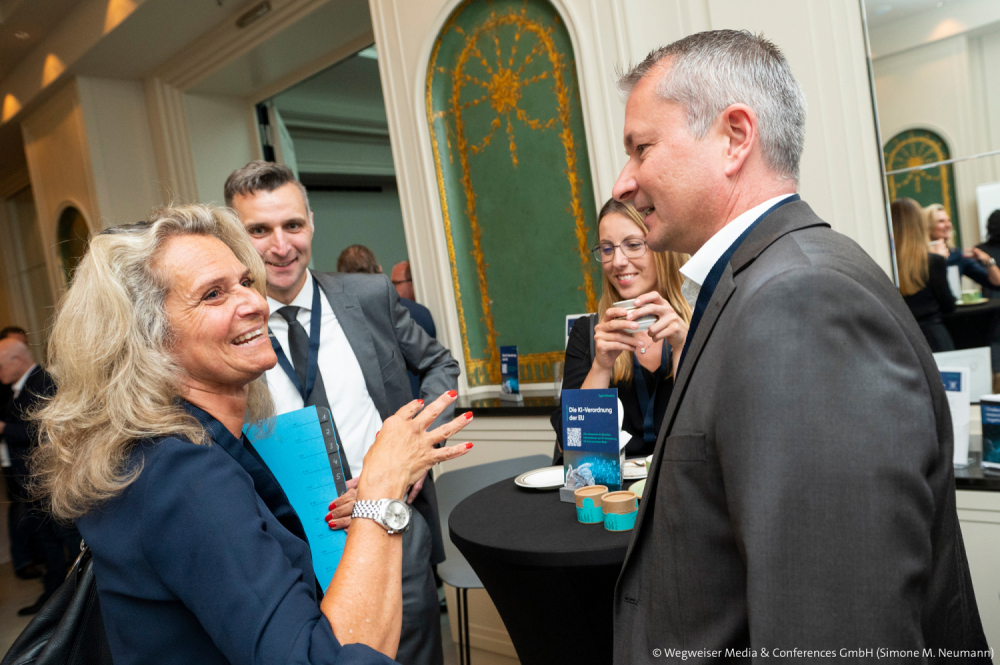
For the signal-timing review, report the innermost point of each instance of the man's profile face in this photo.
(281, 229)
(670, 176)
(402, 281)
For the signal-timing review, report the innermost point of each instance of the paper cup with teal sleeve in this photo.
(620, 510)
(589, 508)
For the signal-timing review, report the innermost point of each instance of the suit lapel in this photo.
(347, 309)
(786, 219)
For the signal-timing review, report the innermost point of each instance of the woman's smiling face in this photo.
(632, 277)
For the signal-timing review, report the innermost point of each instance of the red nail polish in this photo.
(453, 393)
(468, 445)
(328, 517)
(332, 523)
(468, 415)
(333, 505)
(420, 402)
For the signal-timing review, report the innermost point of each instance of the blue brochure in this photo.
(989, 407)
(591, 454)
(509, 384)
(297, 455)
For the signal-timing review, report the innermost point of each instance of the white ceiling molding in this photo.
(931, 26)
(226, 42)
(168, 127)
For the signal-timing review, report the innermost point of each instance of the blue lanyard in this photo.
(312, 368)
(715, 274)
(647, 402)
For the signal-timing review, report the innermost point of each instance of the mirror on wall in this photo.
(938, 105)
(937, 99)
(73, 236)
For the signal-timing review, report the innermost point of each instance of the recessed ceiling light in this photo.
(21, 34)
(883, 9)
(371, 53)
(940, 5)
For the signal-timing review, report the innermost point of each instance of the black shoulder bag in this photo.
(68, 630)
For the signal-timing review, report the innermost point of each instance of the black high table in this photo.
(551, 578)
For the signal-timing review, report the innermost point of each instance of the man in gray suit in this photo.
(801, 495)
(359, 355)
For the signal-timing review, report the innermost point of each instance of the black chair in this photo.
(452, 487)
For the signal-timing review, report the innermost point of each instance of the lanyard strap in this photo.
(312, 367)
(714, 275)
(647, 402)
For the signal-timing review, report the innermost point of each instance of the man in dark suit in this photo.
(366, 342)
(30, 384)
(801, 494)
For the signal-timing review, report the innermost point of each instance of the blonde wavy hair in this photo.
(109, 354)
(930, 223)
(668, 281)
(910, 236)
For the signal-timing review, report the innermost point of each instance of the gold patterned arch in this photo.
(507, 67)
(936, 184)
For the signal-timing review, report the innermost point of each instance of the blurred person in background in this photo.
(973, 263)
(358, 259)
(923, 275)
(991, 247)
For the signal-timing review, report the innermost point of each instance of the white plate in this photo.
(632, 470)
(549, 478)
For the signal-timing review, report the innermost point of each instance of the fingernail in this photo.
(468, 415)
(468, 445)
(332, 524)
(329, 516)
(333, 505)
(453, 393)
(420, 402)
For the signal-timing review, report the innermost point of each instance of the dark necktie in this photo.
(298, 346)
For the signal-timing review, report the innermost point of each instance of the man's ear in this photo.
(739, 127)
(312, 225)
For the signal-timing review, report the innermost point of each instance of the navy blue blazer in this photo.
(193, 566)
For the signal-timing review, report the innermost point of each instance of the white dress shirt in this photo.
(354, 412)
(696, 270)
(18, 385)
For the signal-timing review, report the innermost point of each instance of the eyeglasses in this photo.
(632, 248)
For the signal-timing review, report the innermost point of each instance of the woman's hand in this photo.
(610, 338)
(404, 450)
(668, 325)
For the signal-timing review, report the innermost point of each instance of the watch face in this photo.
(396, 515)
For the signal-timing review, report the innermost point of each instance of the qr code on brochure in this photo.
(574, 437)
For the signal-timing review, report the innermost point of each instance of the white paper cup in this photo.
(643, 321)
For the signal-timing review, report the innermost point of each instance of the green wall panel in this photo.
(513, 173)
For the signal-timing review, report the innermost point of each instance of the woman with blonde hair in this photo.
(973, 263)
(923, 275)
(157, 353)
(608, 350)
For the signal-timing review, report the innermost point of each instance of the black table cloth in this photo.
(551, 578)
(973, 326)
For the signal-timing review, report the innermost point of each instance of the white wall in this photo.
(823, 42)
(223, 139)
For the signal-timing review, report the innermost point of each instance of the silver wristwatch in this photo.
(393, 515)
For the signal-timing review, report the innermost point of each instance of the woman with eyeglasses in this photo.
(607, 349)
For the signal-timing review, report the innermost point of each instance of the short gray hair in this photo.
(712, 70)
(258, 176)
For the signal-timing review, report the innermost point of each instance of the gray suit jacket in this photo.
(801, 493)
(387, 342)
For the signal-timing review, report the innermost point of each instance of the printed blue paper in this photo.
(297, 456)
(590, 437)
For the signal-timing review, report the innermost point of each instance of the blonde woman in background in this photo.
(973, 263)
(923, 275)
(601, 353)
(157, 354)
